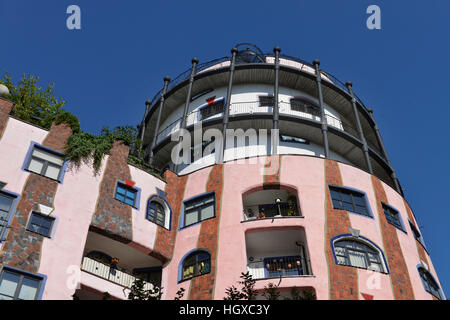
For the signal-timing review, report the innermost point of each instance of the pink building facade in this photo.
(322, 211)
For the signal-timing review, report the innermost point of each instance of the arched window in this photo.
(158, 211)
(359, 254)
(196, 264)
(429, 283)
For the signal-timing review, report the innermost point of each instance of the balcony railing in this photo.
(255, 108)
(109, 273)
(273, 267)
(283, 209)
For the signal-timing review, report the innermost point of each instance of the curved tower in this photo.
(280, 172)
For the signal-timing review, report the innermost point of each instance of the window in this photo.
(6, 203)
(199, 209)
(198, 150)
(266, 101)
(18, 286)
(46, 163)
(353, 253)
(196, 264)
(212, 109)
(416, 232)
(345, 199)
(156, 213)
(392, 216)
(305, 106)
(41, 224)
(429, 283)
(293, 139)
(126, 194)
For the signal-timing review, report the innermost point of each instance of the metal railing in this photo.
(110, 273)
(255, 108)
(284, 210)
(305, 66)
(271, 267)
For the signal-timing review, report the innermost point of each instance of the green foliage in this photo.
(138, 292)
(85, 147)
(32, 103)
(247, 291)
(306, 294)
(271, 292)
(70, 119)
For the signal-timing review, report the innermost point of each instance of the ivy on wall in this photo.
(42, 108)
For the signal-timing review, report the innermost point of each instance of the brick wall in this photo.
(112, 218)
(5, 109)
(202, 288)
(343, 280)
(165, 239)
(401, 284)
(22, 248)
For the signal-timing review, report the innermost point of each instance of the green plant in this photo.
(85, 147)
(271, 292)
(306, 294)
(36, 105)
(247, 291)
(138, 291)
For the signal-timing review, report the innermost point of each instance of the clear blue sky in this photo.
(118, 60)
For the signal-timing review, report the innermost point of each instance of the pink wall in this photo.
(186, 239)
(369, 282)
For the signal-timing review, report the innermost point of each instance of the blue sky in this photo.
(118, 59)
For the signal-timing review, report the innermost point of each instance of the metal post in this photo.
(383, 149)
(158, 118)
(276, 111)
(142, 126)
(226, 111)
(365, 148)
(326, 148)
(188, 101)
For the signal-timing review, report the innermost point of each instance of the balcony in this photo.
(277, 254)
(110, 273)
(271, 203)
(254, 108)
(118, 264)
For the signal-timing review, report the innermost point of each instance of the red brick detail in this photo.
(401, 283)
(112, 217)
(272, 169)
(57, 137)
(367, 296)
(165, 239)
(343, 280)
(22, 248)
(5, 109)
(202, 288)
(420, 250)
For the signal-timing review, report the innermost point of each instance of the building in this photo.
(295, 188)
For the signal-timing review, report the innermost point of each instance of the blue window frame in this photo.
(18, 285)
(358, 252)
(429, 284)
(284, 266)
(393, 217)
(196, 264)
(8, 201)
(350, 200)
(41, 224)
(127, 194)
(416, 233)
(46, 162)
